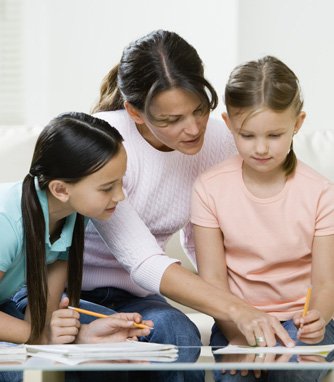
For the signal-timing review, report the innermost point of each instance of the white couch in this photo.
(16, 146)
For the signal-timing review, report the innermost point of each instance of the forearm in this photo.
(322, 300)
(189, 289)
(13, 329)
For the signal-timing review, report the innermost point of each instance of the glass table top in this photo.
(188, 358)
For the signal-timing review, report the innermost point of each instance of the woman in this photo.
(159, 100)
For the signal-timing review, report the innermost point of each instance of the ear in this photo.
(299, 122)
(134, 113)
(59, 190)
(227, 120)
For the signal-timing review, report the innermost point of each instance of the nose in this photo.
(118, 195)
(261, 147)
(193, 126)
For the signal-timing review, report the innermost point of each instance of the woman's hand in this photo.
(311, 327)
(261, 329)
(64, 324)
(116, 328)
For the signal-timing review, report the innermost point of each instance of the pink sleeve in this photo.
(202, 207)
(324, 224)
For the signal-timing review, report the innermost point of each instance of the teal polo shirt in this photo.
(12, 251)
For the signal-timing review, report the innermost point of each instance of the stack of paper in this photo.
(302, 350)
(130, 350)
(10, 352)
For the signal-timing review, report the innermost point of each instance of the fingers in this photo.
(64, 326)
(312, 328)
(282, 334)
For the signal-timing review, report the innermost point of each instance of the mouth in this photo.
(110, 210)
(262, 159)
(194, 141)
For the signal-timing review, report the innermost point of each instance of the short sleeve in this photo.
(324, 224)
(63, 255)
(9, 243)
(202, 211)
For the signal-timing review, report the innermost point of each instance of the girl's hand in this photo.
(311, 327)
(116, 328)
(64, 324)
(261, 329)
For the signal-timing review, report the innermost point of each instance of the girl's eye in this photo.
(107, 189)
(246, 136)
(275, 135)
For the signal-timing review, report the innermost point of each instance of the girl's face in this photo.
(179, 124)
(264, 139)
(97, 195)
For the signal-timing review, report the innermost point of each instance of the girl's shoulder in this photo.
(10, 197)
(307, 173)
(230, 167)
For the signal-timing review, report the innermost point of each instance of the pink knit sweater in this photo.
(127, 252)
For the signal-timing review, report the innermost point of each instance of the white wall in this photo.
(301, 33)
(71, 44)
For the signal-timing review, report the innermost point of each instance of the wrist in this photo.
(81, 337)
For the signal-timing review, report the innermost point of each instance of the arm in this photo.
(322, 304)
(13, 329)
(57, 277)
(133, 245)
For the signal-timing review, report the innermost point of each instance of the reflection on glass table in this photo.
(188, 358)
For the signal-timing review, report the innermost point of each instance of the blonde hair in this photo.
(266, 83)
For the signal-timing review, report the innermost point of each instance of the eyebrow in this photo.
(108, 183)
(164, 116)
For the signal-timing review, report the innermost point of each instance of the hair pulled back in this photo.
(266, 83)
(159, 61)
(72, 146)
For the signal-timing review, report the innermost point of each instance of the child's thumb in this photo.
(64, 303)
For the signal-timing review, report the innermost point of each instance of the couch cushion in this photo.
(16, 148)
(316, 149)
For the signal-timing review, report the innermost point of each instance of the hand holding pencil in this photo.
(311, 324)
(65, 326)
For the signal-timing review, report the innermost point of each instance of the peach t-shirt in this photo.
(268, 242)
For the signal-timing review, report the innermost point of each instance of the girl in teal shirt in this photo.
(76, 173)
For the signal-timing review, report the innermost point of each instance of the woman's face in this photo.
(179, 122)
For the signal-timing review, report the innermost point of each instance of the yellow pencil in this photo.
(100, 315)
(307, 303)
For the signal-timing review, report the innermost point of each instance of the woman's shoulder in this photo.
(119, 119)
(218, 139)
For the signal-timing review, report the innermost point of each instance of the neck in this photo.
(145, 132)
(58, 211)
(263, 185)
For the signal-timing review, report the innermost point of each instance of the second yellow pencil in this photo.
(101, 315)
